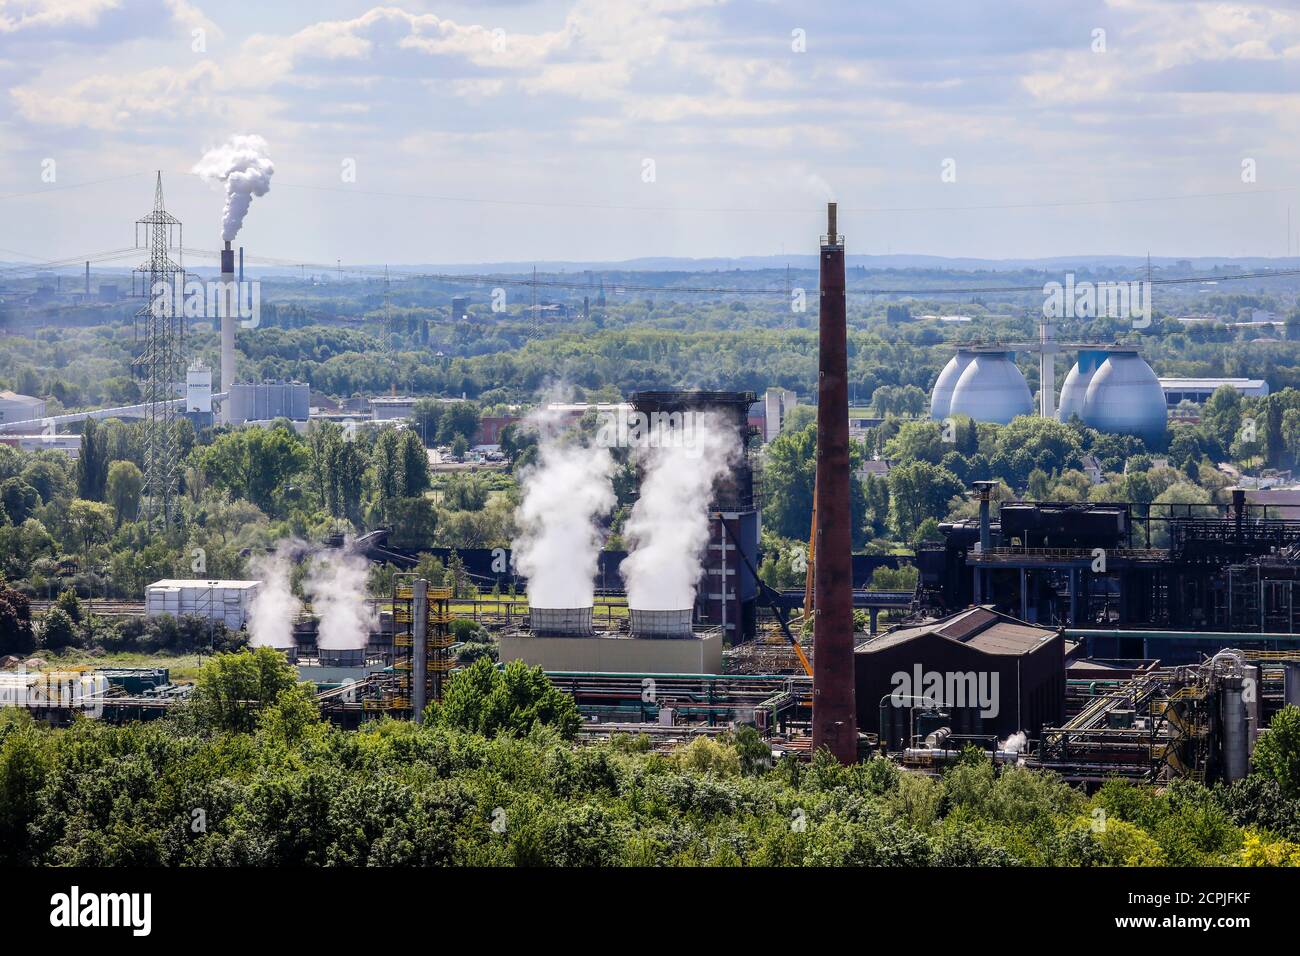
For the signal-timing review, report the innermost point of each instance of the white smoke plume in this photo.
(244, 168)
(669, 525)
(336, 587)
(564, 495)
(1016, 744)
(273, 609)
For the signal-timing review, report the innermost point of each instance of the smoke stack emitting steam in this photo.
(244, 168)
(565, 494)
(669, 524)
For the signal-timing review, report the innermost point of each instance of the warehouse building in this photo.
(225, 601)
(986, 674)
(20, 408)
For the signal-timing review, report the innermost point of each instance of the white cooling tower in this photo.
(991, 389)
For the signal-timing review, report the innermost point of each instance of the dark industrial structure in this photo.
(1121, 567)
(727, 595)
(835, 723)
(981, 674)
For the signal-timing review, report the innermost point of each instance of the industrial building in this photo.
(267, 401)
(978, 672)
(1199, 390)
(983, 384)
(227, 602)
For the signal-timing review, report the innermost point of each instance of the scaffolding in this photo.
(422, 649)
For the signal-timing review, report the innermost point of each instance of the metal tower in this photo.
(161, 360)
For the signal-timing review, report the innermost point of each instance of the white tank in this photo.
(1075, 389)
(991, 389)
(1125, 397)
(941, 395)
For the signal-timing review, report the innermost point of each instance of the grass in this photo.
(184, 668)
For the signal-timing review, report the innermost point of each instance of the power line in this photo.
(54, 187)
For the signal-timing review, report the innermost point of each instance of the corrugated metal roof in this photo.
(980, 628)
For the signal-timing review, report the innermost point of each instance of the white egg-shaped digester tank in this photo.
(1125, 397)
(1075, 390)
(941, 394)
(991, 389)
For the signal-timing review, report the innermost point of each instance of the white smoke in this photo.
(1015, 744)
(244, 168)
(271, 613)
(336, 587)
(564, 496)
(669, 524)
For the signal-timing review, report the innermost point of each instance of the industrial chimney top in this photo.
(832, 237)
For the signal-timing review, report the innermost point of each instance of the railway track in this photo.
(99, 606)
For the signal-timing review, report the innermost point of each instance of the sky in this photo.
(430, 132)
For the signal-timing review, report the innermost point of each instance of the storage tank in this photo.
(1125, 397)
(1075, 390)
(991, 389)
(941, 395)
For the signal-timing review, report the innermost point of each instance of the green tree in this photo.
(91, 521)
(57, 630)
(232, 688)
(19, 499)
(919, 490)
(513, 699)
(125, 482)
(1277, 754)
(92, 463)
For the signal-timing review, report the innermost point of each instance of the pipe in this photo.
(419, 648)
(1221, 636)
(835, 721)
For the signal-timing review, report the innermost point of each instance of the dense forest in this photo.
(247, 774)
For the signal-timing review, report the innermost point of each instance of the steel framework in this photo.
(160, 327)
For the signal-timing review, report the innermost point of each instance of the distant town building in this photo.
(1198, 390)
(69, 445)
(459, 307)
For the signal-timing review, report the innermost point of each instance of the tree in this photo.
(58, 631)
(465, 493)
(91, 521)
(16, 635)
(512, 700)
(232, 688)
(426, 416)
(458, 419)
(789, 473)
(415, 465)
(92, 464)
(257, 464)
(919, 490)
(414, 522)
(19, 499)
(1277, 754)
(125, 483)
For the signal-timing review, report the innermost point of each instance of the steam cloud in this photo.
(669, 524)
(336, 586)
(271, 613)
(244, 168)
(559, 540)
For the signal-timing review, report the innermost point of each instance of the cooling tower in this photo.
(941, 396)
(1125, 397)
(560, 621)
(661, 623)
(991, 389)
(1075, 390)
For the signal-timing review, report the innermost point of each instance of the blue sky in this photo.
(540, 119)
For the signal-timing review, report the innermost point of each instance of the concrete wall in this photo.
(626, 655)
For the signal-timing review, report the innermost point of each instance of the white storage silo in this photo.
(991, 389)
(1075, 390)
(941, 394)
(1125, 397)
